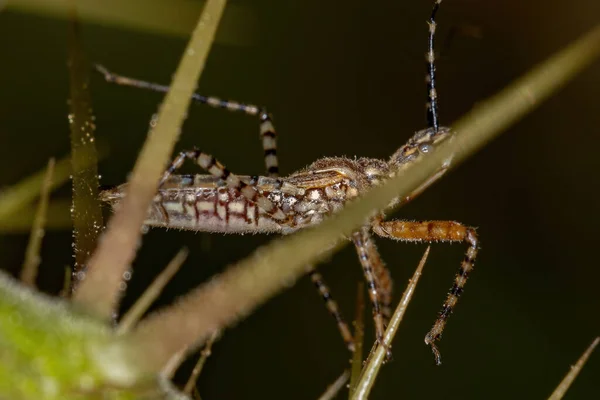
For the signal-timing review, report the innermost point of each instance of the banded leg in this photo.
(333, 309)
(369, 259)
(434, 231)
(385, 285)
(218, 170)
(267, 130)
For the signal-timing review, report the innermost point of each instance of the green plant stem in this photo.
(333, 389)
(32, 254)
(99, 291)
(86, 213)
(564, 385)
(171, 367)
(20, 195)
(53, 351)
(65, 292)
(141, 305)
(204, 354)
(247, 284)
(376, 358)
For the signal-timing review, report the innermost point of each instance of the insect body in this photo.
(229, 203)
(205, 203)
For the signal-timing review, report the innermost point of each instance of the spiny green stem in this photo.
(376, 358)
(564, 385)
(86, 213)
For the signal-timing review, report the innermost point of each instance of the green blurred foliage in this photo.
(52, 351)
(163, 17)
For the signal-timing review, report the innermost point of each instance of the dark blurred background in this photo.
(347, 78)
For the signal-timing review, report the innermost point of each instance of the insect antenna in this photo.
(432, 105)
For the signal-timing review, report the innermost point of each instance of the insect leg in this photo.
(332, 307)
(434, 231)
(385, 285)
(268, 134)
(372, 264)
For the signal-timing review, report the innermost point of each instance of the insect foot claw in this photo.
(430, 338)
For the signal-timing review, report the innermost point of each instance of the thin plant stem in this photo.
(99, 292)
(65, 292)
(168, 371)
(133, 315)
(564, 385)
(20, 195)
(376, 358)
(85, 211)
(32, 254)
(359, 337)
(333, 389)
(204, 354)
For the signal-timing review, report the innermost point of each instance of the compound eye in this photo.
(425, 148)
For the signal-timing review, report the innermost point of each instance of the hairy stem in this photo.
(99, 291)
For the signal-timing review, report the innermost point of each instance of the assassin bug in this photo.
(229, 203)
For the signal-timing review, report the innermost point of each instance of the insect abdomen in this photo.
(209, 210)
